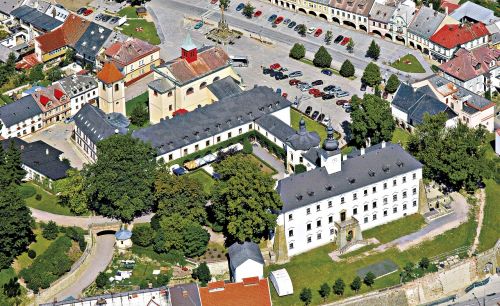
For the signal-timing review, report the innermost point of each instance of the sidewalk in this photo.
(271, 160)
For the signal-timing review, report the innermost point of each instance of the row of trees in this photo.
(322, 59)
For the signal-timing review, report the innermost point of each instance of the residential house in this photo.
(447, 40)
(251, 291)
(425, 23)
(353, 13)
(93, 125)
(20, 118)
(319, 8)
(410, 105)
(477, 70)
(343, 195)
(133, 57)
(472, 109)
(381, 17)
(33, 21)
(182, 83)
(7, 6)
(401, 19)
(472, 12)
(206, 126)
(80, 89)
(42, 162)
(54, 103)
(91, 42)
(245, 260)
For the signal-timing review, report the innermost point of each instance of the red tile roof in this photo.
(27, 62)
(58, 94)
(130, 51)
(250, 292)
(54, 94)
(451, 6)
(109, 73)
(209, 60)
(454, 35)
(468, 64)
(66, 35)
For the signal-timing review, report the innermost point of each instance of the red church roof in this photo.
(109, 73)
(454, 35)
(58, 94)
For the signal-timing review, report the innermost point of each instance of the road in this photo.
(488, 294)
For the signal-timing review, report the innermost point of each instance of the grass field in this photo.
(49, 202)
(141, 99)
(73, 5)
(264, 167)
(400, 136)
(128, 11)
(408, 63)
(148, 32)
(6, 275)
(39, 246)
(395, 229)
(311, 125)
(204, 178)
(490, 232)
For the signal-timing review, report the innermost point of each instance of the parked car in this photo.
(327, 72)
(257, 14)
(348, 109)
(329, 88)
(311, 30)
(68, 120)
(297, 27)
(346, 105)
(281, 76)
(198, 25)
(304, 87)
(279, 20)
(292, 24)
(114, 20)
(275, 66)
(105, 18)
(272, 17)
(338, 39)
(87, 12)
(284, 95)
(213, 1)
(273, 73)
(342, 102)
(318, 32)
(278, 91)
(314, 115)
(81, 10)
(287, 21)
(363, 87)
(326, 120)
(318, 94)
(317, 82)
(295, 74)
(293, 82)
(98, 17)
(240, 7)
(266, 70)
(313, 91)
(308, 110)
(345, 41)
(328, 96)
(320, 117)
(341, 94)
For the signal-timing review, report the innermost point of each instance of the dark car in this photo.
(317, 82)
(308, 110)
(296, 29)
(342, 102)
(81, 10)
(314, 115)
(329, 88)
(327, 72)
(266, 70)
(105, 18)
(280, 76)
(320, 117)
(272, 17)
(293, 82)
(338, 39)
(328, 96)
(348, 109)
(363, 87)
(114, 20)
(292, 24)
(240, 7)
(273, 73)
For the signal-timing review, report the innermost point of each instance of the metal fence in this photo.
(477, 284)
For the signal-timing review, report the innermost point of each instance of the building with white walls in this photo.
(20, 118)
(81, 89)
(245, 260)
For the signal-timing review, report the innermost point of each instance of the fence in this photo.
(442, 256)
(477, 284)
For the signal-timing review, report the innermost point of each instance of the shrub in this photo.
(50, 231)
(347, 69)
(31, 254)
(76, 234)
(247, 146)
(102, 280)
(298, 51)
(300, 168)
(27, 191)
(139, 115)
(322, 58)
(202, 273)
(38, 197)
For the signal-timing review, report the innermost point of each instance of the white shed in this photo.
(245, 260)
(281, 282)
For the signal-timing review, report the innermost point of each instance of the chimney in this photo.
(184, 293)
(362, 151)
(383, 144)
(344, 157)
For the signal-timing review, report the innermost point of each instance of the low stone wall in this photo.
(218, 268)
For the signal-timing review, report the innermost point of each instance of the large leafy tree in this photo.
(356, 284)
(180, 194)
(322, 58)
(248, 10)
(244, 200)
(392, 84)
(73, 194)
(347, 69)
(452, 156)
(373, 50)
(202, 273)
(298, 51)
(120, 183)
(372, 120)
(371, 75)
(339, 286)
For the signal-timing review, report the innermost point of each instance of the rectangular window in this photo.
(355, 196)
(374, 217)
(290, 217)
(354, 211)
(385, 200)
(229, 135)
(342, 200)
(365, 192)
(332, 231)
(290, 233)
(414, 176)
(318, 223)
(240, 131)
(404, 179)
(330, 219)
(330, 204)
(365, 219)
(414, 191)
(170, 107)
(394, 209)
(290, 246)
(404, 206)
(385, 213)
(414, 203)
(394, 197)
(218, 138)
(385, 185)
(207, 143)
(404, 194)
(170, 157)
(365, 207)
(308, 211)
(185, 151)
(250, 126)
(394, 183)
(308, 239)
(308, 226)
(318, 207)
(318, 236)
(196, 147)
(374, 204)
(374, 189)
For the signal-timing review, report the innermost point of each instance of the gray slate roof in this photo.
(213, 119)
(312, 186)
(76, 84)
(19, 110)
(240, 252)
(92, 41)
(161, 85)
(40, 157)
(470, 10)
(224, 88)
(314, 155)
(303, 140)
(97, 125)
(426, 22)
(381, 12)
(38, 19)
(7, 6)
(185, 295)
(5, 52)
(275, 126)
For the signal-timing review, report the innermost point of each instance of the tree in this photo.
(350, 46)
(50, 231)
(73, 194)
(373, 50)
(424, 263)
(299, 168)
(12, 288)
(392, 84)
(298, 51)
(322, 58)
(13, 170)
(142, 235)
(487, 95)
(16, 227)
(10, 65)
(202, 273)
(302, 30)
(372, 121)
(36, 73)
(328, 37)
(244, 199)
(223, 5)
(324, 291)
(179, 194)
(369, 279)
(453, 156)
(306, 296)
(139, 115)
(356, 284)
(347, 69)
(102, 280)
(195, 240)
(371, 75)
(248, 10)
(120, 182)
(339, 286)
(408, 273)
(55, 74)
(69, 57)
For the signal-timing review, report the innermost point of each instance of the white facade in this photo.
(313, 225)
(83, 98)
(249, 268)
(85, 144)
(22, 128)
(442, 54)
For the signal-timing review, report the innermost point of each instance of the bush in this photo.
(347, 69)
(300, 168)
(142, 235)
(27, 191)
(32, 254)
(76, 234)
(38, 197)
(298, 51)
(202, 273)
(139, 115)
(50, 231)
(102, 280)
(247, 146)
(322, 58)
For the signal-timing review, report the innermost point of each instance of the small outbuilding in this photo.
(123, 239)
(281, 282)
(245, 260)
(141, 11)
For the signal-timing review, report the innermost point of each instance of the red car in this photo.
(314, 91)
(275, 66)
(284, 95)
(318, 32)
(318, 94)
(345, 41)
(279, 20)
(257, 14)
(293, 82)
(87, 12)
(213, 1)
(342, 102)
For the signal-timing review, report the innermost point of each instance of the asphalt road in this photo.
(486, 295)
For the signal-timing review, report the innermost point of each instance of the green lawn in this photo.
(264, 167)
(5, 100)
(142, 99)
(490, 232)
(6, 275)
(39, 246)
(408, 63)
(128, 11)
(401, 136)
(311, 125)
(395, 229)
(204, 178)
(315, 267)
(49, 202)
(148, 32)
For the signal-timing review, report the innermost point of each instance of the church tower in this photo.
(111, 89)
(189, 51)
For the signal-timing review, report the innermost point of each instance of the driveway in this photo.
(271, 160)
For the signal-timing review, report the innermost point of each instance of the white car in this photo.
(326, 120)
(311, 30)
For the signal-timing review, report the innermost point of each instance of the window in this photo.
(250, 126)
(414, 191)
(394, 197)
(355, 211)
(404, 206)
(365, 192)
(365, 220)
(385, 200)
(374, 204)
(318, 207)
(374, 189)
(218, 138)
(170, 107)
(318, 236)
(404, 194)
(169, 94)
(354, 196)
(342, 200)
(203, 85)
(290, 233)
(404, 179)
(330, 204)
(308, 211)
(374, 217)
(365, 207)
(290, 217)
(309, 239)
(395, 209)
(117, 87)
(414, 176)
(330, 219)
(385, 213)
(308, 226)
(207, 143)
(385, 185)
(318, 223)
(290, 245)
(240, 131)
(170, 157)
(185, 151)
(196, 147)
(332, 231)
(414, 203)
(394, 183)
(190, 91)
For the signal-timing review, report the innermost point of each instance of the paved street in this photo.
(488, 294)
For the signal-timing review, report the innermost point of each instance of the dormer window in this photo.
(298, 196)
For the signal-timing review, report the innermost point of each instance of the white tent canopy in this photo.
(281, 282)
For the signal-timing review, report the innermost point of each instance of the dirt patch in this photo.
(73, 5)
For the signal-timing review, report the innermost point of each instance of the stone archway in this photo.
(377, 32)
(302, 11)
(335, 19)
(313, 13)
(401, 40)
(412, 44)
(426, 51)
(106, 232)
(323, 16)
(348, 231)
(348, 23)
(419, 48)
(362, 27)
(387, 35)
